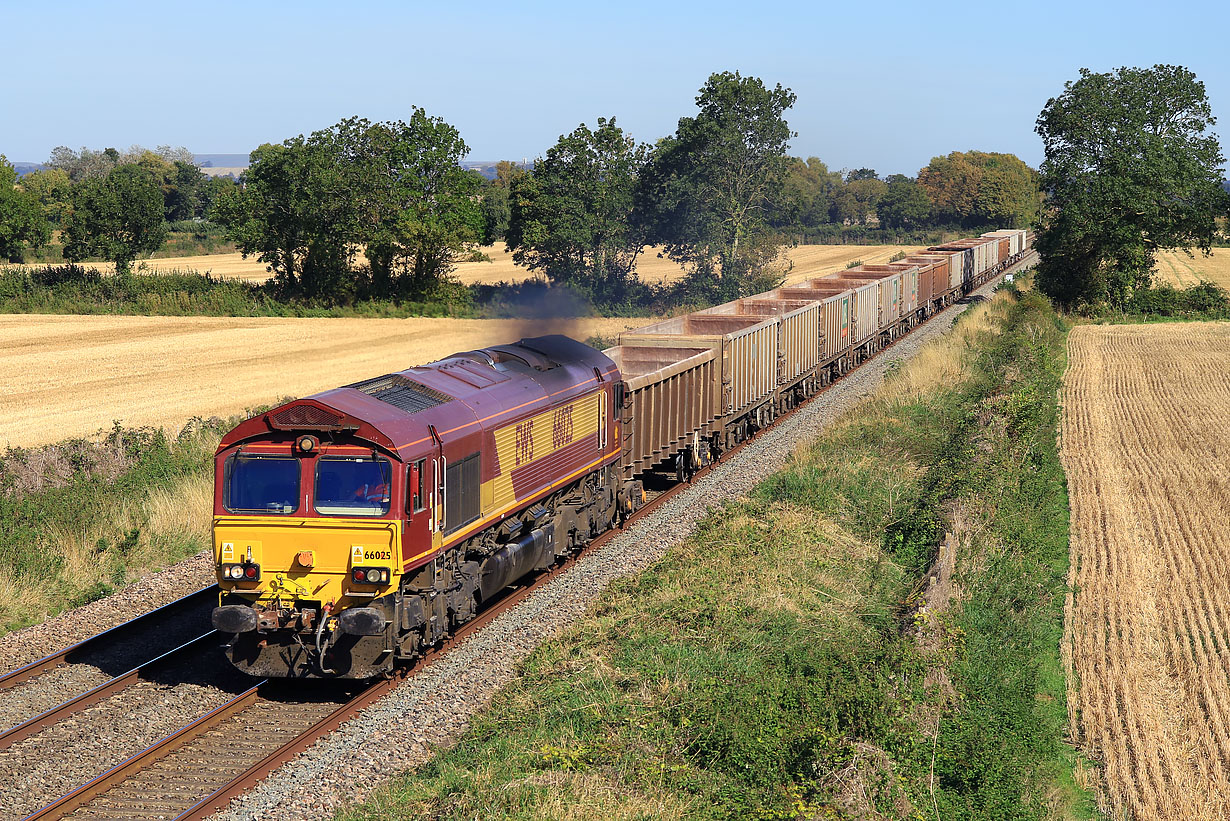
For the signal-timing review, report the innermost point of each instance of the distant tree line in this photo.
(364, 210)
(106, 204)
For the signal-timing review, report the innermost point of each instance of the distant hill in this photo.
(24, 168)
(1226, 185)
(221, 160)
(487, 167)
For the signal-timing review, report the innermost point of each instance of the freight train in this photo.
(359, 527)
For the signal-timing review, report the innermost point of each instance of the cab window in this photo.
(352, 486)
(261, 484)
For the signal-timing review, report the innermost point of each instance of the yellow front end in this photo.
(307, 559)
(304, 580)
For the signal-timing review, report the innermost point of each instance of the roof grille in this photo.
(403, 393)
(305, 417)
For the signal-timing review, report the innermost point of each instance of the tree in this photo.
(394, 189)
(419, 208)
(707, 188)
(496, 205)
(1130, 170)
(53, 190)
(115, 217)
(572, 218)
(806, 195)
(951, 184)
(856, 201)
(977, 188)
(904, 204)
(21, 217)
(293, 213)
(861, 174)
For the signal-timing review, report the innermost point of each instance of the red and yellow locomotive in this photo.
(361, 525)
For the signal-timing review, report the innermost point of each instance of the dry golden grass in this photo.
(63, 376)
(1146, 447)
(943, 361)
(1178, 269)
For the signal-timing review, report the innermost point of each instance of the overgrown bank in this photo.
(790, 661)
(82, 518)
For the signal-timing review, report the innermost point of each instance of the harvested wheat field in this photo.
(809, 261)
(63, 376)
(1146, 447)
(1178, 269)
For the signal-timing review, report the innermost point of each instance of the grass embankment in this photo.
(791, 660)
(82, 518)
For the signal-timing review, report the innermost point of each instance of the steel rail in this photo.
(115, 634)
(243, 782)
(105, 690)
(95, 787)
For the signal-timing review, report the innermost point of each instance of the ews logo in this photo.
(525, 442)
(561, 428)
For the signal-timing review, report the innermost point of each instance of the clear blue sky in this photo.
(881, 84)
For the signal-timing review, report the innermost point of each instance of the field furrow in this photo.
(1146, 446)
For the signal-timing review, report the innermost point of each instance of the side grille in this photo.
(403, 393)
(305, 417)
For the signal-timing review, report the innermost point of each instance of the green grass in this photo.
(82, 518)
(778, 665)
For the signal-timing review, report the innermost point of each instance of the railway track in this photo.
(103, 664)
(197, 770)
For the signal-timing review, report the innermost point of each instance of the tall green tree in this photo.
(419, 209)
(904, 204)
(1131, 169)
(22, 223)
(296, 213)
(857, 200)
(395, 190)
(708, 187)
(53, 190)
(116, 217)
(978, 188)
(573, 217)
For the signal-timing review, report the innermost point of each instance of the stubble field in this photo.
(64, 376)
(1146, 447)
(809, 260)
(1178, 269)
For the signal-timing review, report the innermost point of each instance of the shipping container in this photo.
(670, 399)
(864, 306)
(746, 347)
(886, 294)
